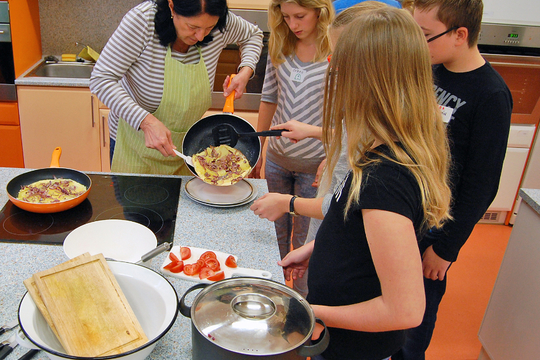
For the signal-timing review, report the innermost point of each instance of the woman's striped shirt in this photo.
(129, 75)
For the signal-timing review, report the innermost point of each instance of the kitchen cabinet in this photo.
(62, 116)
(510, 326)
(10, 136)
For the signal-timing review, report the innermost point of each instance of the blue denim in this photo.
(112, 144)
(281, 180)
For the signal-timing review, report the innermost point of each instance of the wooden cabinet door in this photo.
(65, 117)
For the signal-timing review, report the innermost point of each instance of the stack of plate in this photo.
(238, 194)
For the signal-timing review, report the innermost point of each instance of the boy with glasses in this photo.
(477, 105)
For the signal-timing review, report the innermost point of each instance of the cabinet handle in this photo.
(92, 105)
(103, 130)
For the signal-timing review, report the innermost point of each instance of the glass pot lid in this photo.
(252, 316)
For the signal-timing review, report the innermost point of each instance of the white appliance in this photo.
(517, 152)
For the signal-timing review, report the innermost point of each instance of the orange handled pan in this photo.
(53, 172)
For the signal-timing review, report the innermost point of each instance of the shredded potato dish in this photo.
(51, 191)
(221, 165)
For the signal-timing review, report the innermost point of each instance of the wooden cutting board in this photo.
(87, 307)
(31, 286)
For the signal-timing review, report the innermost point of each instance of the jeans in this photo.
(281, 180)
(418, 338)
(112, 144)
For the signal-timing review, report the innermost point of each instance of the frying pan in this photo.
(55, 171)
(199, 135)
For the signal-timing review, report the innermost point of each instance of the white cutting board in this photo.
(221, 257)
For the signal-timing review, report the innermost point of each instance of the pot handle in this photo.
(319, 347)
(184, 309)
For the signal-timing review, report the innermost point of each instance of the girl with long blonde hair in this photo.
(293, 89)
(365, 271)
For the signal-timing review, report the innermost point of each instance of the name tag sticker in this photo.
(298, 75)
(446, 113)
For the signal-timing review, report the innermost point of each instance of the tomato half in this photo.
(178, 267)
(217, 276)
(205, 272)
(170, 265)
(231, 262)
(191, 269)
(185, 253)
(213, 264)
(208, 255)
(173, 257)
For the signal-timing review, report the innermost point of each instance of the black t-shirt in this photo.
(341, 270)
(478, 135)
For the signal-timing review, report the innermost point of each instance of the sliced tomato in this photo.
(185, 253)
(173, 257)
(178, 267)
(208, 255)
(191, 269)
(231, 262)
(170, 265)
(201, 263)
(220, 275)
(205, 272)
(213, 264)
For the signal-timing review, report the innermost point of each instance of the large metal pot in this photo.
(246, 318)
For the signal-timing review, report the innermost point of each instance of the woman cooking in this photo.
(156, 74)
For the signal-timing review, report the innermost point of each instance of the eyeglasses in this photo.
(443, 33)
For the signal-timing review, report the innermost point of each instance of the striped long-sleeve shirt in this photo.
(298, 90)
(129, 75)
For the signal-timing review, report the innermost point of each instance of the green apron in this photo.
(186, 97)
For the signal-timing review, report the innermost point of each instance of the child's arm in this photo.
(296, 262)
(272, 206)
(266, 113)
(394, 249)
(299, 131)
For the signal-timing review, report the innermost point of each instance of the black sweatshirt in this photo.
(478, 135)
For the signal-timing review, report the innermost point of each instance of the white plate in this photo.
(221, 257)
(116, 239)
(220, 196)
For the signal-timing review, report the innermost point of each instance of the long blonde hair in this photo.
(282, 41)
(379, 86)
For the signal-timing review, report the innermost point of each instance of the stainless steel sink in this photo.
(72, 70)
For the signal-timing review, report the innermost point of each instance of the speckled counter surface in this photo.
(531, 197)
(234, 230)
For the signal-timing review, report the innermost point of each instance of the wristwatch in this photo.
(291, 206)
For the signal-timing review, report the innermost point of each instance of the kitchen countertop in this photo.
(49, 81)
(233, 230)
(531, 197)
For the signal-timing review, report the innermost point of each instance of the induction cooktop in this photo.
(150, 201)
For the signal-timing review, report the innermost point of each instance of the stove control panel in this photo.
(509, 35)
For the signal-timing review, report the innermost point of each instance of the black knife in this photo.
(29, 354)
(9, 346)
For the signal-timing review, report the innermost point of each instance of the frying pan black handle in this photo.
(265, 133)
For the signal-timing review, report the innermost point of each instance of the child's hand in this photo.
(296, 262)
(271, 206)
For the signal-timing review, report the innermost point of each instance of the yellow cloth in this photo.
(186, 97)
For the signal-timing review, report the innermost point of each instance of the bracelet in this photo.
(291, 206)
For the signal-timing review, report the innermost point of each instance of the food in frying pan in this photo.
(51, 191)
(221, 165)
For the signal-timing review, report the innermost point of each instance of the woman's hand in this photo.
(157, 136)
(296, 262)
(271, 206)
(297, 130)
(238, 83)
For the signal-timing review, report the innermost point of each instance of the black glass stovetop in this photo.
(150, 201)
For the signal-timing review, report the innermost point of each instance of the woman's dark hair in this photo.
(188, 8)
